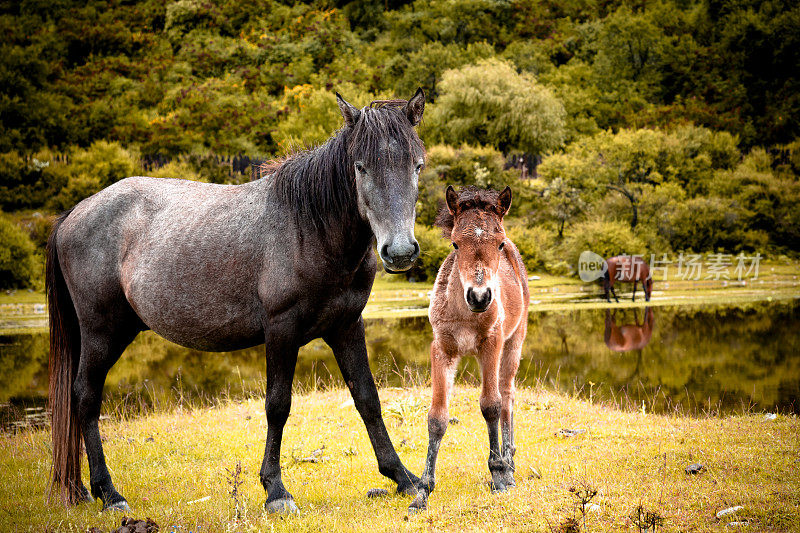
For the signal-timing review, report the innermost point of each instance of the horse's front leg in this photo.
(509, 364)
(490, 354)
(443, 367)
(281, 361)
(350, 349)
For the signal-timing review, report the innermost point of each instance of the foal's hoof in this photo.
(86, 496)
(502, 482)
(283, 506)
(121, 505)
(497, 487)
(419, 504)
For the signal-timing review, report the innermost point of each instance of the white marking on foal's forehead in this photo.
(478, 231)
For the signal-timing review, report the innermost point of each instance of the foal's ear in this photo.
(451, 197)
(415, 107)
(504, 201)
(349, 111)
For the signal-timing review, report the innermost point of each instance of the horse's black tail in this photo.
(65, 346)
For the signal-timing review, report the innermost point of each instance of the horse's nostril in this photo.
(415, 254)
(385, 253)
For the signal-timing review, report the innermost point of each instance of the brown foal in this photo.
(480, 304)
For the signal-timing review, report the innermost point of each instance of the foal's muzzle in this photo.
(478, 299)
(400, 254)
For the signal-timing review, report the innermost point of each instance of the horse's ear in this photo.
(504, 201)
(451, 197)
(415, 107)
(349, 111)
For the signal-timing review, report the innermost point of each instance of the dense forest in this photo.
(622, 126)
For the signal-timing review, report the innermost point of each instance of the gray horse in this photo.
(281, 260)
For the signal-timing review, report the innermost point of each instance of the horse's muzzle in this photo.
(478, 300)
(399, 256)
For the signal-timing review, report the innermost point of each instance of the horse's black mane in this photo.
(318, 184)
(469, 197)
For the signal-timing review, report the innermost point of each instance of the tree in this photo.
(490, 103)
(17, 261)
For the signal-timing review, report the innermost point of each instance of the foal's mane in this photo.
(318, 183)
(469, 197)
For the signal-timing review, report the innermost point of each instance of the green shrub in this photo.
(534, 245)
(433, 251)
(711, 224)
(604, 237)
(90, 170)
(481, 166)
(18, 264)
(28, 183)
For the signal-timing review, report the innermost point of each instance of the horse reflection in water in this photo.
(629, 336)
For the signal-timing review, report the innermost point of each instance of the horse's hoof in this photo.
(121, 505)
(283, 506)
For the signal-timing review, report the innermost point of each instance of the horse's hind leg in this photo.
(634, 290)
(102, 343)
(443, 369)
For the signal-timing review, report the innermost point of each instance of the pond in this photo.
(693, 359)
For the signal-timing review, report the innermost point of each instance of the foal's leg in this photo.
(281, 361)
(490, 354)
(443, 369)
(100, 349)
(350, 350)
(509, 364)
(634, 290)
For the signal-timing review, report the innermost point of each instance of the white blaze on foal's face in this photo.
(478, 238)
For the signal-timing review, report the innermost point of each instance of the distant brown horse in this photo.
(627, 268)
(480, 304)
(630, 336)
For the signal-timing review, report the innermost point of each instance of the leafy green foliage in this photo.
(18, 265)
(490, 103)
(433, 250)
(605, 237)
(91, 170)
(637, 111)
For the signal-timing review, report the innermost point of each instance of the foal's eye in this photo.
(501, 245)
(455, 246)
(419, 168)
(360, 166)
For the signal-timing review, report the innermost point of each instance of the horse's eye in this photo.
(419, 168)
(501, 245)
(360, 166)
(455, 246)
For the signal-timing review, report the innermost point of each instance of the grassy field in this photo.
(178, 468)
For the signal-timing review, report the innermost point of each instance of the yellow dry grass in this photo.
(175, 467)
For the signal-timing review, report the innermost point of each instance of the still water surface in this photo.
(696, 359)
